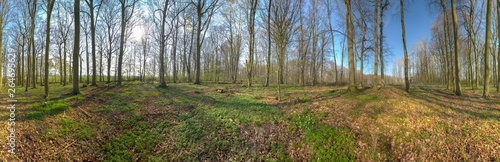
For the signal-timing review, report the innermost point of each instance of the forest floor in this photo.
(186, 122)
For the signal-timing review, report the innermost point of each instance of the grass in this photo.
(328, 143)
(188, 122)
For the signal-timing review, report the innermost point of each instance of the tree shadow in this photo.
(482, 108)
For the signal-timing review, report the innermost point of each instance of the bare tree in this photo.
(401, 8)
(486, 90)
(251, 32)
(498, 50)
(76, 47)
(93, 16)
(458, 91)
(4, 10)
(350, 46)
(376, 42)
(205, 10)
(127, 10)
(50, 6)
(283, 19)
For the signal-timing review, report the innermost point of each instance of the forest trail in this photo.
(186, 122)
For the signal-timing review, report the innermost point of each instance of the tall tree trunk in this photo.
(87, 57)
(76, 47)
(174, 54)
(375, 39)
(498, 49)
(457, 50)
(253, 10)
(92, 33)
(162, 47)
(268, 64)
(407, 81)
(198, 46)
(486, 90)
(47, 47)
(33, 52)
(383, 6)
(122, 44)
(350, 46)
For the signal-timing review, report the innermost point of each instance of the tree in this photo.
(458, 91)
(363, 25)
(350, 46)
(126, 14)
(268, 60)
(407, 82)
(498, 49)
(76, 47)
(205, 10)
(93, 23)
(329, 11)
(375, 40)
(251, 46)
(383, 7)
(162, 43)
(4, 9)
(283, 20)
(109, 19)
(486, 90)
(50, 6)
(31, 44)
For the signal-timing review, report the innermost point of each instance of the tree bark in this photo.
(486, 90)
(47, 47)
(458, 91)
(76, 47)
(407, 82)
(268, 64)
(253, 10)
(375, 40)
(350, 47)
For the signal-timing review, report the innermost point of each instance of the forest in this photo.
(250, 80)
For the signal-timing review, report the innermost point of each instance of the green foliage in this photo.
(71, 128)
(328, 143)
(41, 110)
(137, 143)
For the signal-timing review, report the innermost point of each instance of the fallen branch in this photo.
(57, 152)
(85, 112)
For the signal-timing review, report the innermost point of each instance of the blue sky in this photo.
(418, 22)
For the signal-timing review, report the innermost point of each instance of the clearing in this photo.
(187, 122)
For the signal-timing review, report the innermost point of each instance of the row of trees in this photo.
(282, 41)
(438, 60)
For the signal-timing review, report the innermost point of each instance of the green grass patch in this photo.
(137, 143)
(204, 134)
(69, 127)
(245, 110)
(41, 110)
(327, 143)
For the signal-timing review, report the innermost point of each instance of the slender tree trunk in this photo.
(92, 33)
(162, 47)
(33, 51)
(486, 90)
(268, 64)
(253, 10)
(76, 47)
(174, 54)
(47, 48)
(375, 39)
(498, 49)
(458, 91)
(383, 6)
(407, 81)
(350, 46)
(198, 46)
